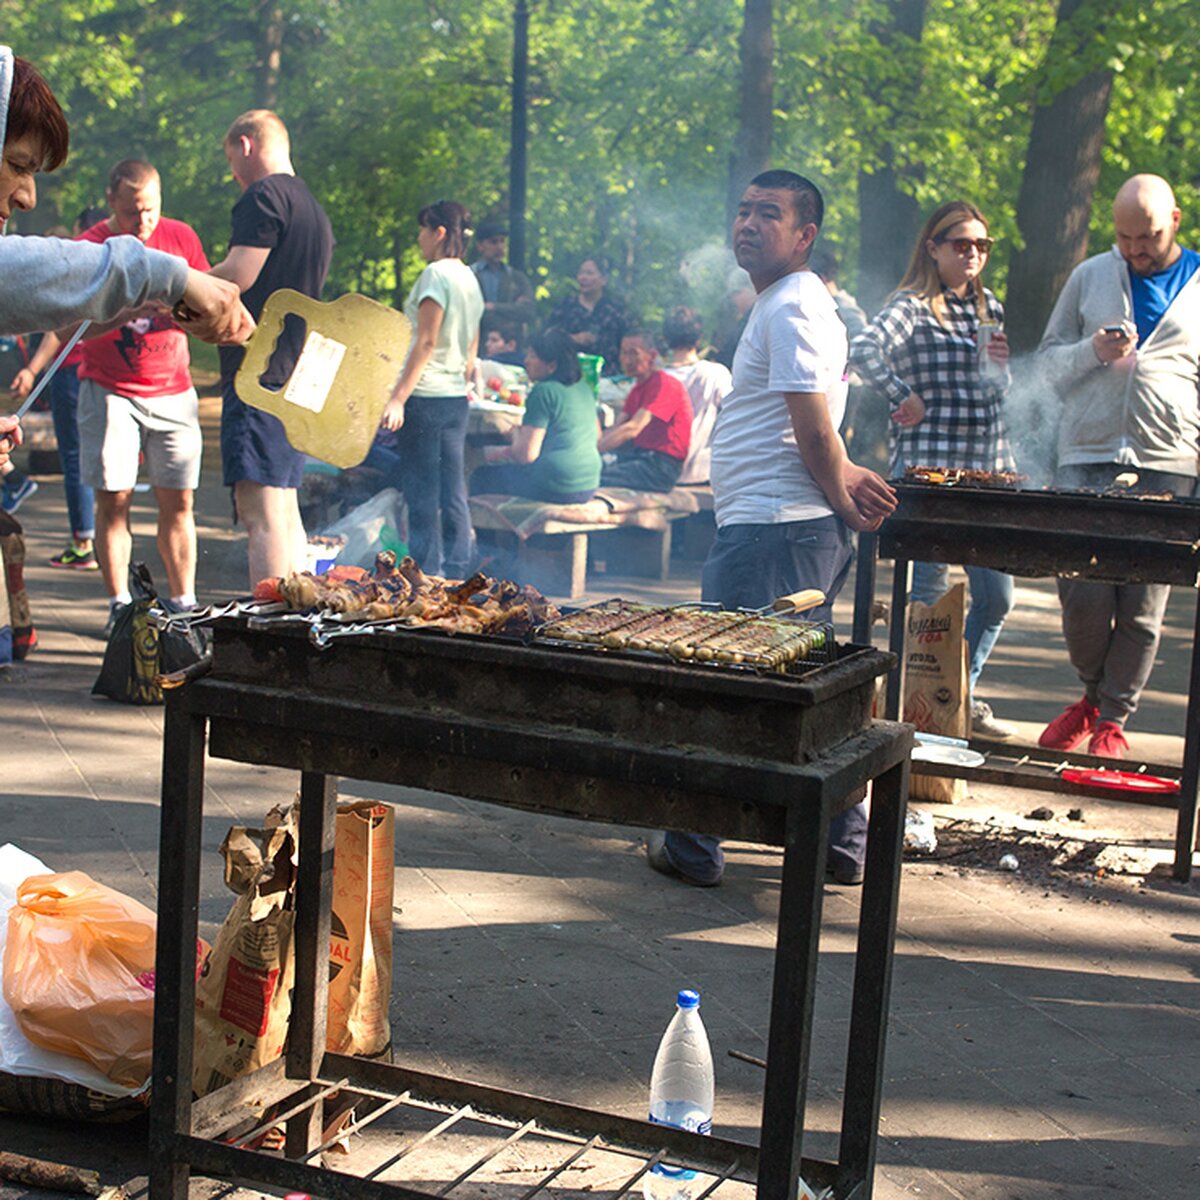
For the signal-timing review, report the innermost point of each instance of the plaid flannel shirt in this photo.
(906, 350)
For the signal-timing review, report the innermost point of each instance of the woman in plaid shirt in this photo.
(922, 353)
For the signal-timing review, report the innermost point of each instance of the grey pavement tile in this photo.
(1093, 1099)
(986, 934)
(467, 955)
(905, 1183)
(928, 891)
(913, 1053)
(1011, 1035)
(1144, 1029)
(1045, 1169)
(525, 905)
(586, 951)
(1167, 1166)
(413, 883)
(1078, 981)
(955, 1112)
(1179, 1071)
(462, 1016)
(924, 983)
(566, 1068)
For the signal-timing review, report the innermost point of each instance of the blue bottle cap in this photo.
(688, 999)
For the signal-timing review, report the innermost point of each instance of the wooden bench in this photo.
(552, 540)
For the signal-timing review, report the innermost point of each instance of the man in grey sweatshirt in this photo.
(48, 283)
(1122, 349)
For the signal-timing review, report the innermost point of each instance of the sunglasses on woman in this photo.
(963, 245)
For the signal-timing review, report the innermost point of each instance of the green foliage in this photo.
(633, 107)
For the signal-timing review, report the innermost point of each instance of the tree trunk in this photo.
(270, 55)
(889, 219)
(1054, 204)
(752, 150)
(518, 146)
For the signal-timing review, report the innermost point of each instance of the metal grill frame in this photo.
(562, 770)
(1113, 539)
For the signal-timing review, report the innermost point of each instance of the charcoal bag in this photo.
(138, 652)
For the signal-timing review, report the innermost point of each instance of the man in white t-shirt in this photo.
(785, 494)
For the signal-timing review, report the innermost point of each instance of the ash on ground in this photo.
(1046, 850)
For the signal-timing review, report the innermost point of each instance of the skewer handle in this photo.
(799, 601)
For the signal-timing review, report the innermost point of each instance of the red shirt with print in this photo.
(147, 356)
(670, 432)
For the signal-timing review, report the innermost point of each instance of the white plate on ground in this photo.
(957, 756)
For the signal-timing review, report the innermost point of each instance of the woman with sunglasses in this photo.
(922, 353)
(429, 403)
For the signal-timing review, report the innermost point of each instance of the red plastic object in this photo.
(1121, 781)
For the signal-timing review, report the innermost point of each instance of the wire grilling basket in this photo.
(748, 640)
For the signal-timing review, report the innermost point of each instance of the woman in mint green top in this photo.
(429, 404)
(554, 455)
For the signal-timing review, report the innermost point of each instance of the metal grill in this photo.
(635, 739)
(1114, 537)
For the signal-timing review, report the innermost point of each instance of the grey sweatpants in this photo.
(1112, 629)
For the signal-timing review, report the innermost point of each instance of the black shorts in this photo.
(254, 446)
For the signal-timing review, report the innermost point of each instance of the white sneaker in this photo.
(986, 724)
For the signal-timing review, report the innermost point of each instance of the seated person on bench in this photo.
(502, 342)
(646, 448)
(553, 456)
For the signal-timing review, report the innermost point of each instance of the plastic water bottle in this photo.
(681, 1094)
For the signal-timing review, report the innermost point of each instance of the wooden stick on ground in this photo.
(59, 1177)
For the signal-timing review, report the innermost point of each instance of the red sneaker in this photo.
(1071, 726)
(1108, 741)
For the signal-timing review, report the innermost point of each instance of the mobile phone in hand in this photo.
(1114, 329)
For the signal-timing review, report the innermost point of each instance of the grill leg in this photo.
(785, 1090)
(895, 680)
(1186, 832)
(175, 953)
(314, 898)
(872, 983)
(864, 588)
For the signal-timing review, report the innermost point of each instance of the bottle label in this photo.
(703, 1126)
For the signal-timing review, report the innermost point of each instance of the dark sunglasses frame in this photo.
(961, 245)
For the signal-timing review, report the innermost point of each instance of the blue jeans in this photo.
(81, 500)
(748, 567)
(991, 602)
(430, 446)
(521, 479)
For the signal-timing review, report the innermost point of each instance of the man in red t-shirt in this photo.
(647, 446)
(136, 399)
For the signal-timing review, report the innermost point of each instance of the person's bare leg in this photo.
(114, 542)
(177, 538)
(271, 516)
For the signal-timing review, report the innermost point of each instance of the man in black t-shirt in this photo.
(281, 238)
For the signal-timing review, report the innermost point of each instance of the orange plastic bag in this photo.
(79, 972)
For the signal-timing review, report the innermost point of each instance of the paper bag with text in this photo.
(360, 938)
(936, 699)
(244, 993)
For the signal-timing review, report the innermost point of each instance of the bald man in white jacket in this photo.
(1122, 349)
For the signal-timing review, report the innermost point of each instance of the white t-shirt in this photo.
(453, 285)
(794, 341)
(707, 383)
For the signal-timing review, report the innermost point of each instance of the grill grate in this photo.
(692, 634)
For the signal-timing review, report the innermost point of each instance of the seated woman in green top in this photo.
(553, 456)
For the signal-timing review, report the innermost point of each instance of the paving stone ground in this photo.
(1045, 1030)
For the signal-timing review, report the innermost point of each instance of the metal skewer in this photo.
(51, 371)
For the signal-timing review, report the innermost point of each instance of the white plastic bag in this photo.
(363, 526)
(18, 1055)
